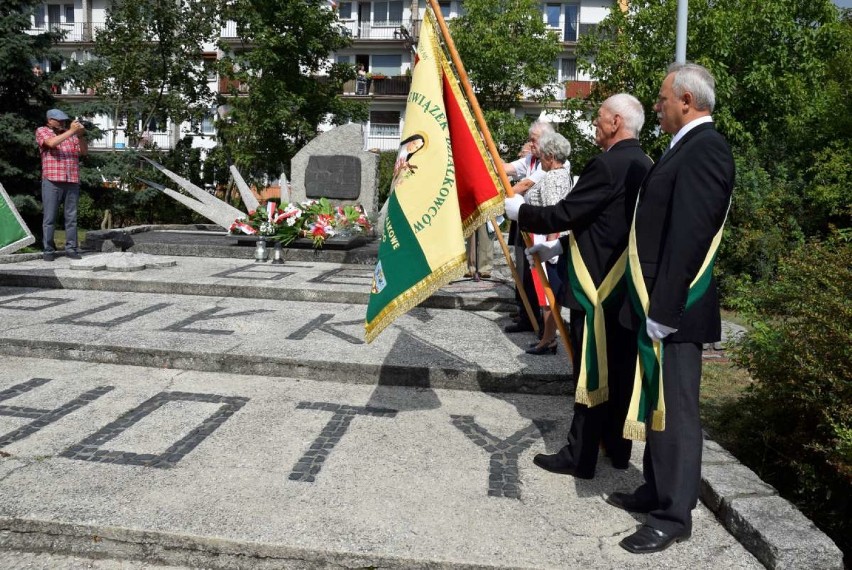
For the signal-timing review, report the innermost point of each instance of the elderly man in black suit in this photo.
(598, 211)
(674, 304)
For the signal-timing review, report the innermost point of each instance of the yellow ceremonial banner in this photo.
(422, 245)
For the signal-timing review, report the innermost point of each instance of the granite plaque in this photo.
(335, 177)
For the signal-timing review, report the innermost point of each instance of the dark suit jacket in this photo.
(682, 204)
(599, 210)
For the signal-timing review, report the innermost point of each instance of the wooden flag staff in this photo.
(498, 163)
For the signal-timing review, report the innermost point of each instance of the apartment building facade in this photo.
(383, 34)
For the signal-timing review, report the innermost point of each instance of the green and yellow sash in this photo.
(647, 402)
(593, 377)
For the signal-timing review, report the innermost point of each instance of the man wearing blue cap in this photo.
(61, 147)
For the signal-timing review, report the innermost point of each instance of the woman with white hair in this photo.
(554, 150)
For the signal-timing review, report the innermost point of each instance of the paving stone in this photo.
(779, 535)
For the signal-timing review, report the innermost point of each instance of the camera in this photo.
(88, 125)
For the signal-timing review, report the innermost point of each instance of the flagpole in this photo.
(518, 283)
(498, 164)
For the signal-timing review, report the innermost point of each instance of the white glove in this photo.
(545, 250)
(657, 331)
(513, 205)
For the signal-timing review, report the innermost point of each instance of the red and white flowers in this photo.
(314, 219)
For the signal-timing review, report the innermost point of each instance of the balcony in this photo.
(399, 31)
(229, 30)
(573, 31)
(355, 29)
(389, 86)
(578, 89)
(77, 32)
(118, 140)
(69, 90)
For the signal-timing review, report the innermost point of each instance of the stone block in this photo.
(108, 240)
(721, 483)
(335, 165)
(714, 453)
(779, 535)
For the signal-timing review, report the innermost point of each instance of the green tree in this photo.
(507, 51)
(508, 54)
(149, 62)
(782, 88)
(24, 95)
(289, 86)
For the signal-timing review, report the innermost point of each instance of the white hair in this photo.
(695, 79)
(541, 127)
(629, 109)
(555, 145)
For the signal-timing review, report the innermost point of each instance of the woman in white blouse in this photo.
(553, 151)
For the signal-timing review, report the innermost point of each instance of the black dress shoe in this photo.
(649, 539)
(557, 464)
(71, 254)
(629, 503)
(543, 349)
(518, 327)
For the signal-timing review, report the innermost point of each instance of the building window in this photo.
(387, 13)
(344, 10)
(53, 14)
(344, 59)
(572, 19)
(552, 13)
(210, 69)
(384, 124)
(208, 124)
(69, 14)
(157, 124)
(445, 9)
(568, 69)
(386, 64)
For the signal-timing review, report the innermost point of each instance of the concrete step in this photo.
(214, 470)
(314, 281)
(321, 341)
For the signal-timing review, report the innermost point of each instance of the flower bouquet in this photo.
(314, 219)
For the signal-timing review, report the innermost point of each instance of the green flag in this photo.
(14, 233)
(422, 245)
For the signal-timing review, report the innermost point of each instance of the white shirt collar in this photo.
(688, 127)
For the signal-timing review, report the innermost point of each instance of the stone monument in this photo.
(335, 166)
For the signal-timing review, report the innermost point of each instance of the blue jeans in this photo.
(53, 194)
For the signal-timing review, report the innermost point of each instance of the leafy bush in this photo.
(386, 162)
(794, 426)
(89, 216)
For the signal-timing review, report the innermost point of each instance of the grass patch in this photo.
(722, 384)
(58, 239)
(735, 317)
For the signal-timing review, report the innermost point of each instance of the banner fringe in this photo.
(484, 212)
(416, 294)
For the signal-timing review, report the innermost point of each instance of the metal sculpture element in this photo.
(212, 208)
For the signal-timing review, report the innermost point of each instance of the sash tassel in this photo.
(593, 376)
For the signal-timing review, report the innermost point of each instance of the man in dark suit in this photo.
(679, 217)
(598, 211)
